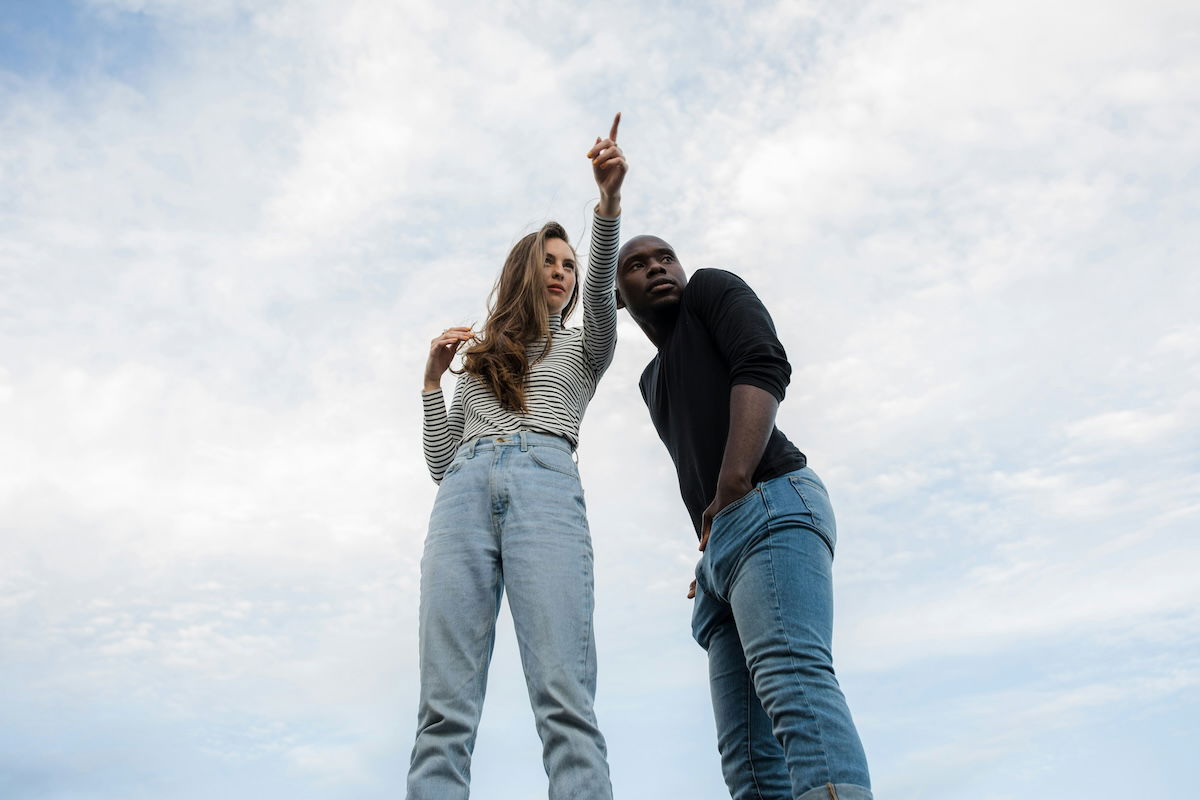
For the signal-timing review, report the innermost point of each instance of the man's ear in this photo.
(620, 301)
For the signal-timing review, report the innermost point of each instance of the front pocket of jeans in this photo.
(735, 504)
(554, 459)
(454, 467)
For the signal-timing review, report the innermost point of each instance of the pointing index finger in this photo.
(616, 121)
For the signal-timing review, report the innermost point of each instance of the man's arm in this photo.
(751, 420)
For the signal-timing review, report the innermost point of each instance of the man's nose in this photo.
(655, 267)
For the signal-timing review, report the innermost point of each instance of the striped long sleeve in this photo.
(599, 299)
(441, 432)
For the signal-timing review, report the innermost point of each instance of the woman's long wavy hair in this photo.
(517, 317)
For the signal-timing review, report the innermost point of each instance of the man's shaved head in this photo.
(637, 243)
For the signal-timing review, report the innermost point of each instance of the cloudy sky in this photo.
(229, 228)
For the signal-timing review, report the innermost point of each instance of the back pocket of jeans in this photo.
(816, 502)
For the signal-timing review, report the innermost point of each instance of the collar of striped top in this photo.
(555, 322)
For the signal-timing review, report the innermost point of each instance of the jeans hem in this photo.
(840, 791)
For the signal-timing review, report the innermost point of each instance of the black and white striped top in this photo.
(558, 387)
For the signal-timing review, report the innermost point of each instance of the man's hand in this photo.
(609, 168)
(727, 492)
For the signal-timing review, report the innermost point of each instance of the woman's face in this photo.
(559, 274)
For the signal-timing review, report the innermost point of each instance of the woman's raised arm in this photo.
(599, 303)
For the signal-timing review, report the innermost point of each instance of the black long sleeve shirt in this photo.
(723, 337)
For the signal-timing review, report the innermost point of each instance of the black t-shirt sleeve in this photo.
(741, 329)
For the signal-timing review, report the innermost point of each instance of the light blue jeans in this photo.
(509, 513)
(764, 613)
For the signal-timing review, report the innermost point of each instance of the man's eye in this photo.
(667, 259)
(636, 265)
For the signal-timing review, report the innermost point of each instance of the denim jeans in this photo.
(509, 513)
(764, 613)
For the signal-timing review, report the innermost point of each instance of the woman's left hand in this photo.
(609, 168)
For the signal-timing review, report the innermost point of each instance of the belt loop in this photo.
(523, 440)
(474, 446)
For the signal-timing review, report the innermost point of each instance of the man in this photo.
(763, 588)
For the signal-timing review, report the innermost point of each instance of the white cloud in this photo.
(1136, 427)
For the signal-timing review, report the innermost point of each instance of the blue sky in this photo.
(229, 229)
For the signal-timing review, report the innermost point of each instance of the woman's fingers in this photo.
(602, 144)
(442, 349)
(604, 149)
(600, 147)
(460, 331)
(451, 338)
(446, 341)
(602, 161)
(608, 158)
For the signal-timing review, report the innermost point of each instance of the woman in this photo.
(510, 512)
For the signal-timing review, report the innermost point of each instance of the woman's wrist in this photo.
(609, 206)
(431, 387)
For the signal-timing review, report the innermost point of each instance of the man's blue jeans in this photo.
(509, 513)
(764, 613)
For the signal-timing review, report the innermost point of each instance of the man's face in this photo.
(649, 277)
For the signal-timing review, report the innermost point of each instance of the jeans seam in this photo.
(751, 696)
(588, 637)
(480, 693)
(791, 660)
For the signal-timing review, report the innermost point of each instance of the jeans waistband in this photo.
(522, 439)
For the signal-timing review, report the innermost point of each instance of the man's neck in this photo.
(659, 327)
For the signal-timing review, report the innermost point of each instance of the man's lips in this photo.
(657, 286)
